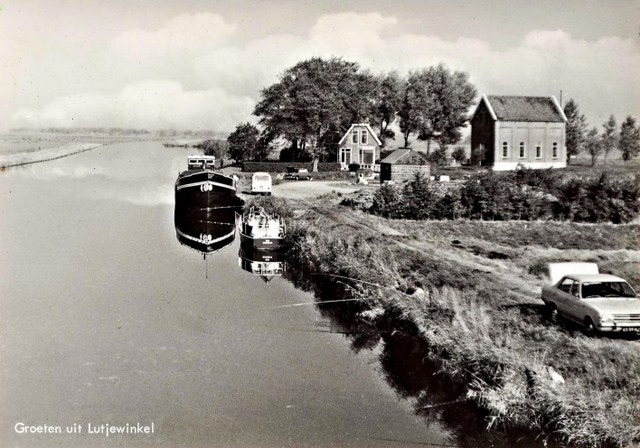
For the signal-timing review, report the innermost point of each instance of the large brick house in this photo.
(360, 145)
(519, 130)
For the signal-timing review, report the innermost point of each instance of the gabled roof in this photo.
(399, 154)
(524, 108)
(366, 125)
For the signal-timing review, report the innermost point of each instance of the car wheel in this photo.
(552, 312)
(589, 327)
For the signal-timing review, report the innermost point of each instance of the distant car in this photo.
(598, 302)
(297, 173)
(261, 183)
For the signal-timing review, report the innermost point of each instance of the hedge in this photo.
(281, 167)
(525, 195)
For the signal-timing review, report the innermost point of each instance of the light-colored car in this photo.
(598, 302)
(261, 183)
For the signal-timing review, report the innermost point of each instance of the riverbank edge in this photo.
(534, 402)
(45, 155)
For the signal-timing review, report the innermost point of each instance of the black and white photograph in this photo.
(319, 224)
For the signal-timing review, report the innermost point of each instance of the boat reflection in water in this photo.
(266, 264)
(205, 229)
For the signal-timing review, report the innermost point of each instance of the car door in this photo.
(563, 297)
(574, 305)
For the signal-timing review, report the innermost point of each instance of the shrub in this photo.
(521, 195)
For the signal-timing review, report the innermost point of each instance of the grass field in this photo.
(473, 291)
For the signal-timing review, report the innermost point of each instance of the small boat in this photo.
(202, 186)
(265, 264)
(261, 231)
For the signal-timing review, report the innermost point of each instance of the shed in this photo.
(403, 164)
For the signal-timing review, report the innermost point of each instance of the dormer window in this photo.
(363, 138)
(354, 137)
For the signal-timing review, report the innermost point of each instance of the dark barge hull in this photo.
(205, 188)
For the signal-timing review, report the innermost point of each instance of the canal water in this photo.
(105, 318)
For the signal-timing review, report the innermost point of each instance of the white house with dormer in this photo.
(360, 145)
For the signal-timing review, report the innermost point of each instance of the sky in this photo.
(200, 64)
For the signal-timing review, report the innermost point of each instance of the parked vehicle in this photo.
(598, 302)
(261, 183)
(297, 173)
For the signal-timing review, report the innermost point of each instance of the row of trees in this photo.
(595, 143)
(315, 102)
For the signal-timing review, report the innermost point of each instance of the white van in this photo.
(261, 184)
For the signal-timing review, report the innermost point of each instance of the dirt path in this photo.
(310, 189)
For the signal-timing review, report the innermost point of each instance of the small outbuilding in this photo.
(508, 131)
(403, 164)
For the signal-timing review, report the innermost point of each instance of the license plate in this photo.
(629, 329)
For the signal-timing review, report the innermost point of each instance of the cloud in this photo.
(148, 104)
(196, 71)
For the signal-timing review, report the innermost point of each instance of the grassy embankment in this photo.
(471, 289)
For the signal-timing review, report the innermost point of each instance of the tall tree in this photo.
(217, 148)
(576, 129)
(441, 100)
(593, 145)
(409, 113)
(387, 103)
(242, 142)
(609, 135)
(313, 97)
(629, 141)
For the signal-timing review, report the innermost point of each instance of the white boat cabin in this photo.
(258, 224)
(201, 162)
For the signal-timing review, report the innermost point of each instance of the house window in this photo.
(505, 150)
(554, 148)
(346, 156)
(523, 150)
(538, 151)
(364, 139)
(354, 137)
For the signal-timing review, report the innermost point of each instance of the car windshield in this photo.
(606, 289)
(264, 177)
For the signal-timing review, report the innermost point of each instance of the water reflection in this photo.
(266, 264)
(207, 230)
(409, 365)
